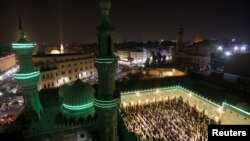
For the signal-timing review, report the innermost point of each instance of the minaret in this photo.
(107, 100)
(27, 76)
(179, 44)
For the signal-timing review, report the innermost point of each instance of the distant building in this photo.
(135, 56)
(7, 62)
(194, 57)
(58, 69)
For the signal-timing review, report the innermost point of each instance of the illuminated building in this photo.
(133, 56)
(58, 69)
(7, 62)
(27, 76)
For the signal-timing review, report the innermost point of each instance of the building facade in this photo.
(58, 69)
(134, 56)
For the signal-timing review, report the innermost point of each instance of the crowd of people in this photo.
(168, 120)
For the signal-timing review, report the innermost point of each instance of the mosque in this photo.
(81, 112)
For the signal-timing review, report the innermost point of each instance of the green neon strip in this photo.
(103, 62)
(22, 45)
(80, 107)
(105, 59)
(108, 101)
(226, 104)
(26, 75)
(107, 104)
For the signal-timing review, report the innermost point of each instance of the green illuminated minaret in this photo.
(107, 100)
(27, 76)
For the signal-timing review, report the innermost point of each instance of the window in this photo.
(62, 66)
(70, 78)
(86, 68)
(75, 70)
(69, 65)
(63, 72)
(69, 71)
(56, 74)
(75, 64)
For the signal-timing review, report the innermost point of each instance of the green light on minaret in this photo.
(22, 45)
(107, 100)
(107, 103)
(27, 76)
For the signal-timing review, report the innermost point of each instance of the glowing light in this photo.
(139, 101)
(1, 93)
(61, 49)
(137, 94)
(243, 48)
(78, 107)
(228, 53)
(54, 51)
(124, 104)
(22, 45)
(220, 110)
(236, 48)
(100, 62)
(220, 48)
(26, 75)
(157, 91)
(132, 103)
(190, 95)
(107, 103)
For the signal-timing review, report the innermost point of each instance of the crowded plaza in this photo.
(171, 119)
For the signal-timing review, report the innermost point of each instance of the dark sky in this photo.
(76, 20)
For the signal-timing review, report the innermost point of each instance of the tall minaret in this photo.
(107, 100)
(27, 76)
(180, 34)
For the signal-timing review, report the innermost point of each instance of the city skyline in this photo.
(75, 22)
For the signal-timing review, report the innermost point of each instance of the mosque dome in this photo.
(62, 90)
(78, 100)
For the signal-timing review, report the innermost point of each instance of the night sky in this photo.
(75, 21)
